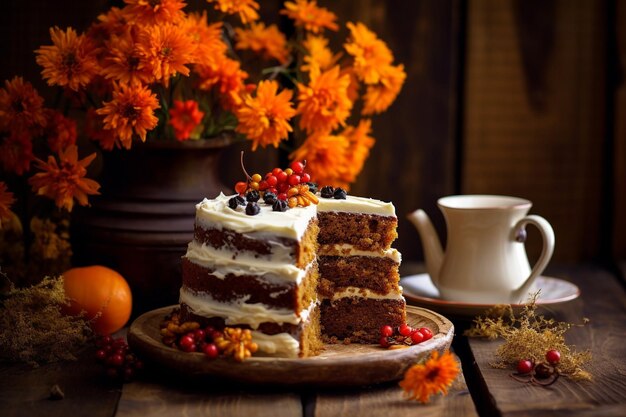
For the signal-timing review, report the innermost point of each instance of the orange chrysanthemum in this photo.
(310, 16)
(264, 119)
(380, 96)
(371, 55)
(61, 131)
(327, 158)
(434, 376)
(207, 39)
(70, 61)
(64, 181)
(6, 200)
(167, 49)
(21, 107)
(16, 152)
(185, 117)
(226, 77)
(318, 53)
(125, 62)
(113, 22)
(154, 12)
(324, 104)
(360, 144)
(246, 9)
(94, 130)
(130, 112)
(269, 42)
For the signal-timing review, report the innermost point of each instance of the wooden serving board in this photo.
(337, 365)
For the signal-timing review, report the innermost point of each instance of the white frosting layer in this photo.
(222, 263)
(291, 223)
(349, 250)
(354, 204)
(365, 293)
(239, 312)
(281, 344)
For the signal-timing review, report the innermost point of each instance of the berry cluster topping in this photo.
(336, 193)
(403, 335)
(120, 363)
(280, 189)
(189, 336)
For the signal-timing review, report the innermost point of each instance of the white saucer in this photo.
(419, 290)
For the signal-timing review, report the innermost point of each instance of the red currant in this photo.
(211, 350)
(271, 180)
(241, 187)
(189, 348)
(101, 354)
(297, 167)
(186, 341)
(305, 178)
(263, 185)
(103, 341)
(428, 334)
(386, 331)
(115, 360)
(281, 177)
(129, 373)
(282, 196)
(384, 342)
(294, 180)
(405, 329)
(283, 187)
(199, 335)
(524, 366)
(272, 190)
(417, 337)
(276, 171)
(553, 356)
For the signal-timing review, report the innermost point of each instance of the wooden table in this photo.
(24, 391)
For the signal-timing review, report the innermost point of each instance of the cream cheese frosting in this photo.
(353, 204)
(365, 293)
(345, 249)
(217, 214)
(240, 312)
(223, 263)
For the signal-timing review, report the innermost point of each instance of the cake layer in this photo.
(261, 246)
(370, 232)
(358, 319)
(284, 340)
(378, 274)
(261, 288)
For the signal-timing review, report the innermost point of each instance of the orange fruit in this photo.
(102, 294)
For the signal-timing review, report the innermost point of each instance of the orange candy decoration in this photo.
(102, 293)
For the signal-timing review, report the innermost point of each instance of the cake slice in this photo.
(359, 275)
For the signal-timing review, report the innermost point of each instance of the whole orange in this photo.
(102, 293)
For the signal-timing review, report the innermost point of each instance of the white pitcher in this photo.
(485, 259)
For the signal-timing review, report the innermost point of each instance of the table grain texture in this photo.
(479, 391)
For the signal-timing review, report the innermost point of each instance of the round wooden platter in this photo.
(337, 365)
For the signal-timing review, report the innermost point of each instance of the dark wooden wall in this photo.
(518, 97)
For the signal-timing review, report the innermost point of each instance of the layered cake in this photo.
(297, 277)
(258, 272)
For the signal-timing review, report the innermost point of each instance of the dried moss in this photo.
(529, 336)
(34, 328)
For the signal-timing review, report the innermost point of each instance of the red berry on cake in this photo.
(241, 187)
(297, 167)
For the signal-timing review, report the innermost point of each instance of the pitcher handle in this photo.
(547, 235)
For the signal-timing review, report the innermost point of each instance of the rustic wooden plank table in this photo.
(480, 391)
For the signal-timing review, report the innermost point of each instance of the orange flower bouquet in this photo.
(152, 71)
